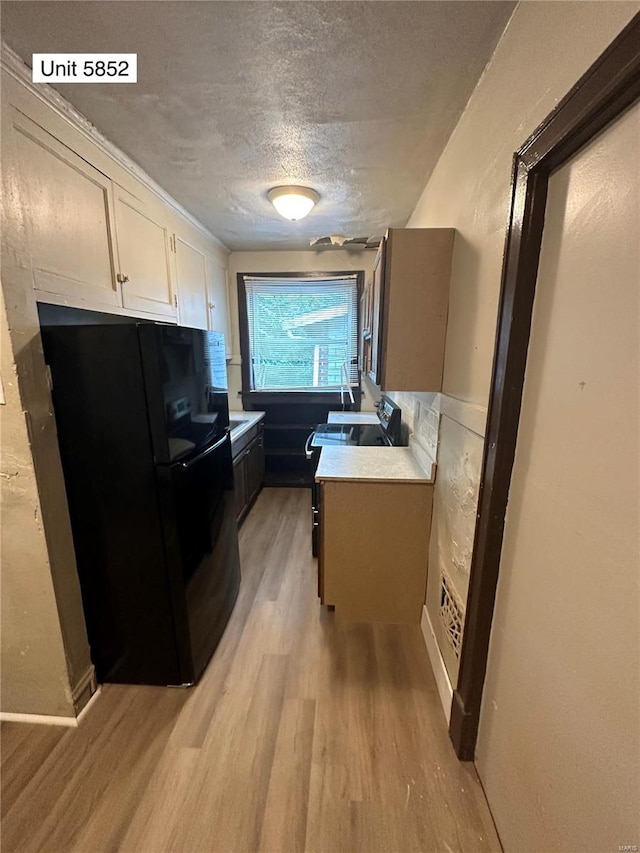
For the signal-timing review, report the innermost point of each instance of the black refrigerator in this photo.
(143, 425)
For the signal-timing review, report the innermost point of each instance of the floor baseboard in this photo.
(39, 719)
(49, 719)
(84, 690)
(445, 690)
(83, 713)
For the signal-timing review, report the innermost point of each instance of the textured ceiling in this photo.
(355, 99)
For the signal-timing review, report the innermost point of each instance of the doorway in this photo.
(590, 326)
(561, 695)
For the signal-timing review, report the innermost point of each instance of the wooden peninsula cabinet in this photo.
(404, 310)
(375, 519)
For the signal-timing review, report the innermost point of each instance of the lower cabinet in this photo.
(240, 482)
(373, 549)
(288, 425)
(254, 460)
(318, 530)
(248, 470)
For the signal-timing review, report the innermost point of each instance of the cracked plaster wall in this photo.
(34, 666)
(46, 665)
(546, 47)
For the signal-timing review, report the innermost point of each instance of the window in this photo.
(301, 332)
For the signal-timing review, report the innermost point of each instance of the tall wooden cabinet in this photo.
(405, 309)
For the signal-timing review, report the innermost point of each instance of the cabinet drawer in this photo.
(240, 444)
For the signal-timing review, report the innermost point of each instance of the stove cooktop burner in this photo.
(349, 435)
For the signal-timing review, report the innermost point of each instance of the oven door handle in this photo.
(307, 452)
(209, 450)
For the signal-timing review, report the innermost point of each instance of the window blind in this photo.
(302, 332)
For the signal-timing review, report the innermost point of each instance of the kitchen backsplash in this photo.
(420, 415)
(421, 418)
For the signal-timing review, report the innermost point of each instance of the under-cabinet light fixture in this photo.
(293, 202)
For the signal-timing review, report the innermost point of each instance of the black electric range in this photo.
(386, 433)
(350, 435)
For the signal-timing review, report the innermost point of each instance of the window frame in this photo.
(251, 397)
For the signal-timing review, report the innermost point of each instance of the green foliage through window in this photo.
(302, 333)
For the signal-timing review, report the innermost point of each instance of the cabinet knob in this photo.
(122, 278)
(212, 305)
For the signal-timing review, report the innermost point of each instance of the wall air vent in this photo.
(451, 615)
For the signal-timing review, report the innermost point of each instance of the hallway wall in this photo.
(547, 762)
(546, 47)
(560, 709)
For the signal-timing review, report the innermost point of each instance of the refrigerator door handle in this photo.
(209, 450)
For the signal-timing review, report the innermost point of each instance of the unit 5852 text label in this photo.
(84, 68)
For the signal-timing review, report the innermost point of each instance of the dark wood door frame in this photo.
(609, 87)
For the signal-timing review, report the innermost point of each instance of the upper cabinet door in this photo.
(192, 285)
(410, 304)
(68, 219)
(376, 307)
(218, 300)
(143, 253)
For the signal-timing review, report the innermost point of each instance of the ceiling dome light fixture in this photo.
(293, 202)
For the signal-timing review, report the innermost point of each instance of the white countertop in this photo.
(386, 464)
(352, 418)
(249, 419)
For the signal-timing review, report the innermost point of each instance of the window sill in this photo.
(330, 397)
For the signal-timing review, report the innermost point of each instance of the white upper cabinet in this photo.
(218, 300)
(191, 278)
(68, 219)
(143, 255)
(92, 231)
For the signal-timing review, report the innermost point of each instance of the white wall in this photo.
(311, 261)
(46, 665)
(559, 740)
(544, 50)
(548, 772)
(34, 666)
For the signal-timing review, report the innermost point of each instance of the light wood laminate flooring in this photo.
(304, 734)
